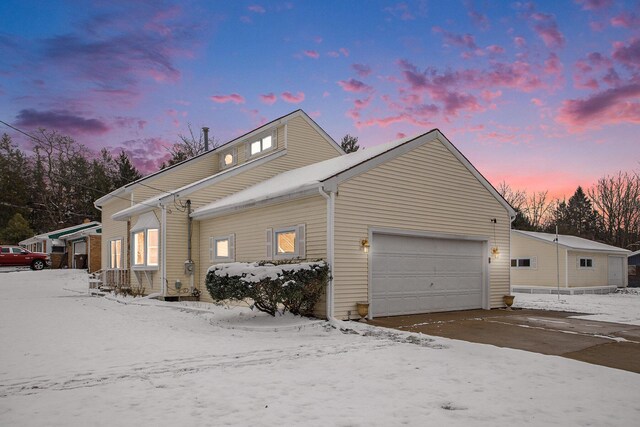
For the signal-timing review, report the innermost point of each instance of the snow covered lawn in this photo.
(622, 307)
(70, 359)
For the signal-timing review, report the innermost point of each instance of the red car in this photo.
(14, 256)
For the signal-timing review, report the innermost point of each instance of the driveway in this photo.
(556, 333)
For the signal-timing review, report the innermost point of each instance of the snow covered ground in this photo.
(70, 359)
(621, 307)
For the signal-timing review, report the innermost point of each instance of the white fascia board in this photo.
(616, 251)
(409, 146)
(138, 209)
(221, 176)
(305, 191)
(102, 200)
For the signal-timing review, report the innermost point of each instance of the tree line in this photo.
(608, 212)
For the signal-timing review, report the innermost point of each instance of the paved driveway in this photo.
(547, 332)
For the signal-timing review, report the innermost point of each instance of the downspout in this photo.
(189, 233)
(163, 238)
(331, 199)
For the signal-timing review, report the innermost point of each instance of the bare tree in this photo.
(516, 198)
(189, 146)
(617, 199)
(537, 209)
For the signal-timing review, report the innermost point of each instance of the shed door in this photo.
(420, 275)
(615, 271)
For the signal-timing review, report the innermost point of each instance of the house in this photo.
(54, 244)
(409, 227)
(634, 269)
(149, 239)
(84, 248)
(572, 264)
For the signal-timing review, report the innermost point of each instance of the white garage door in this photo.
(421, 275)
(616, 271)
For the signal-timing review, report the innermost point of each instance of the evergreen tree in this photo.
(349, 143)
(14, 181)
(125, 171)
(16, 230)
(582, 219)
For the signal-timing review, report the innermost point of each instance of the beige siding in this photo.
(545, 273)
(249, 228)
(427, 190)
(596, 276)
(114, 230)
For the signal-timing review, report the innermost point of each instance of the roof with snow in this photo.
(55, 234)
(309, 178)
(572, 242)
(634, 254)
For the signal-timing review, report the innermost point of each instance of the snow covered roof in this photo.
(272, 124)
(153, 202)
(309, 178)
(96, 229)
(572, 242)
(634, 253)
(55, 234)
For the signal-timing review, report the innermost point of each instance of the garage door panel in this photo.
(418, 275)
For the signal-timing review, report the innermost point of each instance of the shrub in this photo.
(294, 286)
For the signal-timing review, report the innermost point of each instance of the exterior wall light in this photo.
(495, 252)
(364, 243)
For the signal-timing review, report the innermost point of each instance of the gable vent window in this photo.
(228, 159)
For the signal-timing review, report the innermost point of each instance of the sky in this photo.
(541, 95)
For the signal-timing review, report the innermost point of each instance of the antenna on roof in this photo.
(205, 131)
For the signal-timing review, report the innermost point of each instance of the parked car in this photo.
(15, 256)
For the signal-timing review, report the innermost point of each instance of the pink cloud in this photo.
(147, 153)
(596, 26)
(480, 19)
(312, 54)
(552, 64)
(489, 96)
(353, 85)
(269, 98)
(537, 102)
(461, 40)
(401, 135)
(594, 4)
(234, 97)
(616, 105)
(344, 51)
(495, 49)
(256, 8)
(520, 41)
(626, 20)
(361, 69)
(291, 98)
(545, 26)
(627, 54)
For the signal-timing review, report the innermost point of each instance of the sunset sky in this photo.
(543, 95)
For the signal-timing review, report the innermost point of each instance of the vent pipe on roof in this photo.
(205, 131)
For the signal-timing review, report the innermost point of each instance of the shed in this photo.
(540, 264)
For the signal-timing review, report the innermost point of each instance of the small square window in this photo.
(222, 248)
(255, 147)
(586, 262)
(266, 142)
(286, 242)
(228, 159)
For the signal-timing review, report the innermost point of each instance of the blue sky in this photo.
(542, 95)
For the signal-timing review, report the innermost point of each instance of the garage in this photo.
(416, 274)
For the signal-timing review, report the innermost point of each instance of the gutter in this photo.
(331, 199)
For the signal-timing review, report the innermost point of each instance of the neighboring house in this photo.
(408, 226)
(575, 265)
(148, 238)
(634, 269)
(84, 248)
(54, 244)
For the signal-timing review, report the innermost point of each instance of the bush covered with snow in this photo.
(291, 286)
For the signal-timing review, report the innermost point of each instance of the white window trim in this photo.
(234, 152)
(533, 263)
(213, 247)
(274, 144)
(121, 253)
(144, 266)
(593, 263)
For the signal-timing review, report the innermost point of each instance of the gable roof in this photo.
(55, 234)
(272, 124)
(571, 242)
(76, 234)
(328, 173)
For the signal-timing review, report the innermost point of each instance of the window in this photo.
(6, 250)
(286, 242)
(115, 253)
(145, 248)
(221, 249)
(16, 251)
(523, 262)
(262, 144)
(228, 158)
(57, 249)
(585, 262)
